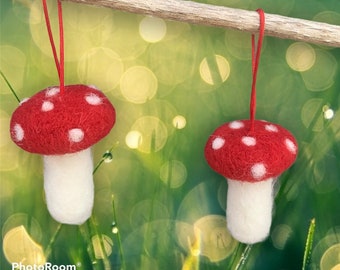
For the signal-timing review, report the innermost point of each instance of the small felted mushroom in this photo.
(251, 159)
(62, 127)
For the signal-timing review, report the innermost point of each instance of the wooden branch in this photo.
(219, 16)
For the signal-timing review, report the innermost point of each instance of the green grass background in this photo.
(160, 206)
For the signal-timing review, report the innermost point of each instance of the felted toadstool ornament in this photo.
(62, 123)
(62, 127)
(251, 161)
(250, 154)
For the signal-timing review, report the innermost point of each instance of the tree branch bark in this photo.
(219, 16)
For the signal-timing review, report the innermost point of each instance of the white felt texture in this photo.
(249, 210)
(69, 188)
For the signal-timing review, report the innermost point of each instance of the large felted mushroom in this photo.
(251, 159)
(62, 127)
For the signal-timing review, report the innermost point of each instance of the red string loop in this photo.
(60, 63)
(61, 47)
(255, 64)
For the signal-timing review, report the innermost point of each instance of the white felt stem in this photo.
(249, 210)
(69, 188)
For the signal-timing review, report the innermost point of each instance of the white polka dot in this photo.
(271, 128)
(52, 91)
(93, 99)
(23, 101)
(18, 133)
(236, 125)
(258, 170)
(249, 141)
(75, 135)
(290, 146)
(217, 143)
(47, 106)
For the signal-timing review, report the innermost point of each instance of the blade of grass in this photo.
(244, 257)
(106, 156)
(85, 231)
(9, 86)
(115, 224)
(48, 249)
(94, 229)
(235, 256)
(309, 244)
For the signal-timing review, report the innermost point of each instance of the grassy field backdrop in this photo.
(158, 205)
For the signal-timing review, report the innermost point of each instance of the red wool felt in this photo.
(238, 153)
(55, 123)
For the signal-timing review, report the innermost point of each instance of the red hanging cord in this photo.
(59, 63)
(255, 64)
(61, 48)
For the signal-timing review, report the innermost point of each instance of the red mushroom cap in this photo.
(240, 154)
(51, 123)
